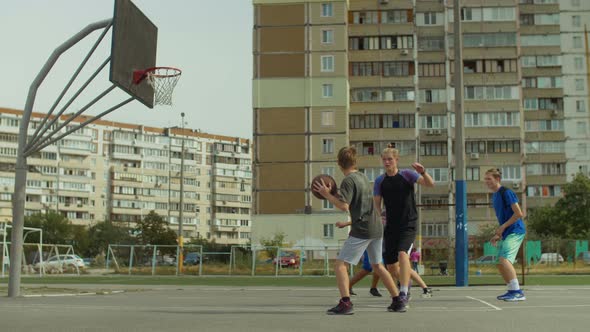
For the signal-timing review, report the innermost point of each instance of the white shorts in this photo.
(353, 250)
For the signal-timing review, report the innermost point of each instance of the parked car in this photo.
(88, 261)
(192, 258)
(288, 259)
(584, 257)
(61, 262)
(551, 257)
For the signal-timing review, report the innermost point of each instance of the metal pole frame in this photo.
(461, 235)
(14, 282)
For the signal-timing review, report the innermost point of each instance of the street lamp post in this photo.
(180, 208)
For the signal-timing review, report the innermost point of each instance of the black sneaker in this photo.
(351, 292)
(397, 305)
(343, 308)
(375, 292)
(427, 292)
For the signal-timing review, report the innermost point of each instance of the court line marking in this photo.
(484, 302)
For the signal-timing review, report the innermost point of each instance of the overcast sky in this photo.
(209, 40)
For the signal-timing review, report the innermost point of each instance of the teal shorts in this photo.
(509, 247)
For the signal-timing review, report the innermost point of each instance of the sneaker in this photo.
(375, 292)
(397, 305)
(504, 296)
(351, 292)
(427, 292)
(404, 298)
(343, 308)
(515, 296)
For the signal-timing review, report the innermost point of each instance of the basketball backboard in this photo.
(134, 46)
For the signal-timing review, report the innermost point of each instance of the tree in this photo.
(104, 233)
(57, 229)
(153, 229)
(277, 240)
(570, 217)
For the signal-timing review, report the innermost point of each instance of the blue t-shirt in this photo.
(504, 212)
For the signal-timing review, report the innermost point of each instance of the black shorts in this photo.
(396, 240)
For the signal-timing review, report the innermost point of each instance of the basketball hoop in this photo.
(162, 79)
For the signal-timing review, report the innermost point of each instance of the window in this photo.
(487, 39)
(329, 231)
(326, 205)
(581, 128)
(327, 145)
(433, 149)
(327, 90)
(435, 230)
(370, 17)
(381, 94)
(544, 191)
(546, 19)
(577, 42)
(540, 40)
(475, 147)
(374, 121)
(328, 171)
(396, 69)
(433, 122)
(433, 96)
(580, 106)
(438, 174)
(327, 63)
(545, 169)
(579, 84)
(496, 92)
(503, 147)
(327, 36)
(429, 18)
(545, 147)
(431, 43)
(327, 10)
(576, 21)
(582, 149)
(579, 63)
(396, 16)
(472, 174)
(499, 14)
(381, 42)
(328, 118)
(431, 69)
(511, 173)
(544, 125)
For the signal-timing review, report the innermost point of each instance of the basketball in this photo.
(328, 180)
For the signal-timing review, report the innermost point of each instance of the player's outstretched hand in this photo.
(495, 239)
(341, 224)
(418, 167)
(322, 188)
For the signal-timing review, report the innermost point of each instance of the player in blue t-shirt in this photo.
(511, 232)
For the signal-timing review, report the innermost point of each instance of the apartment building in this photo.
(121, 172)
(525, 95)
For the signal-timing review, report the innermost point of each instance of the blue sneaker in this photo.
(515, 296)
(504, 296)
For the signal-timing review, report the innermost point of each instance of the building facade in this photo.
(525, 71)
(120, 172)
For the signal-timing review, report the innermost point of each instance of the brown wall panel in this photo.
(281, 176)
(273, 148)
(280, 202)
(281, 14)
(282, 39)
(281, 120)
(282, 65)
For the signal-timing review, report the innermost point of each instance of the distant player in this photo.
(366, 231)
(511, 231)
(395, 190)
(360, 275)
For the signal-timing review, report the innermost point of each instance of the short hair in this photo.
(390, 150)
(347, 157)
(495, 172)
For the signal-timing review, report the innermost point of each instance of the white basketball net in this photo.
(163, 80)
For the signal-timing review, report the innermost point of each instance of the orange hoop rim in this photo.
(140, 75)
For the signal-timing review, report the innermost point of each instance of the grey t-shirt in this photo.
(355, 190)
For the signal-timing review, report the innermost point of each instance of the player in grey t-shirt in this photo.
(366, 234)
